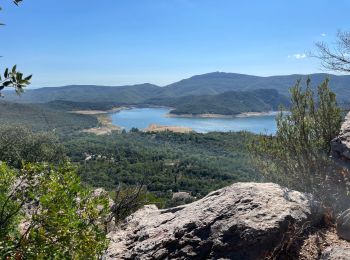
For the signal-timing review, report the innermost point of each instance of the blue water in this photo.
(142, 117)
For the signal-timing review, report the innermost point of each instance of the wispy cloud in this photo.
(298, 56)
(323, 34)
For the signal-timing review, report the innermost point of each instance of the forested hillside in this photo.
(219, 82)
(88, 93)
(170, 162)
(206, 84)
(227, 103)
(44, 117)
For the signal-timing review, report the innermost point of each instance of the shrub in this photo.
(298, 155)
(45, 213)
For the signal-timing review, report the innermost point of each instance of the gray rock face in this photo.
(336, 253)
(343, 225)
(242, 221)
(341, 144)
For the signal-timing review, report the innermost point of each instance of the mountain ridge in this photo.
(205, 84)
(219, 82)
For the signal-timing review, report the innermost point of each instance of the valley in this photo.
(143, 118)
(100, 129)
(194, 140)
(193, 162)
(217, 96)
(183, 129)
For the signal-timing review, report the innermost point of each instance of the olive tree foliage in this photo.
(298, 155)
(12, 77)
(337, 58)
(19, 144)
(45, 213)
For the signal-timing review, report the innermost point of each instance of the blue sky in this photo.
(115, 42)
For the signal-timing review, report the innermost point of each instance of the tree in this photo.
(298, 155)
(19, 144)
(46, 214)
(338, 58)
(13, 77)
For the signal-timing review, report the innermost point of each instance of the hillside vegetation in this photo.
(220, 82)
(43, 117)
(212, 93)
(170, 162)
(88, 93)
(206, 84)
(227, 103)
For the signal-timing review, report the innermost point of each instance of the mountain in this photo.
(219, 82)
(206, 84)
(227, 103)
(88, 93)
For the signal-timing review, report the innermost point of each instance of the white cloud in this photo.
(323, 34)
(298, 56)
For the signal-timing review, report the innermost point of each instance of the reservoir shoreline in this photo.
(157, 119)
(244, 114)
(205, 115)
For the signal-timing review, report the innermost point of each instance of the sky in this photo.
(115, 42)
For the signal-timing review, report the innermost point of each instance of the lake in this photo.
(142, 117)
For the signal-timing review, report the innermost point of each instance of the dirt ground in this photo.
(106, 126)
(175, 129)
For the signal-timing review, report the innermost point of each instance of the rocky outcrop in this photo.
(341, 144)
(242, 221)
(343, 225)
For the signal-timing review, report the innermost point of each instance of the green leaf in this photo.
(28, 78)
(7, 83)
(19, 76)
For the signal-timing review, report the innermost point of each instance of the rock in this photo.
(341, 144)
(242, 221)
(343, 225)
(181, 195)
(336, 253)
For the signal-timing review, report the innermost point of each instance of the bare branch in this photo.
(338, 58)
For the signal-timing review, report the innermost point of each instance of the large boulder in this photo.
(242, 221)
(343, 225)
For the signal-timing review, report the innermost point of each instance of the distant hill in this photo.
(44, 117)
(219, 82)
(227, 103)
(207, 84)
(88, 93)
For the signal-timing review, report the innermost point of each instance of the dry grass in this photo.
(175, 129)
(317, 242)
(106, 126)
(89, 112)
